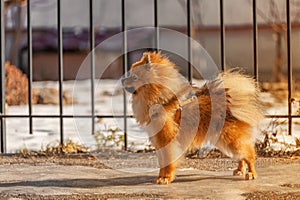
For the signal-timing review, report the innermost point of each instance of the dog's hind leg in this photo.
(246, 156)
(237, 141)
(243, 150)
(240, 171)
(250, 160)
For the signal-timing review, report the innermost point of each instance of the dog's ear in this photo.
(147, 60)
(147, 57)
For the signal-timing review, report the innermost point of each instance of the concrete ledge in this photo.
(24, 181)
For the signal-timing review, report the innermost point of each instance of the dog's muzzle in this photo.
(128, 89)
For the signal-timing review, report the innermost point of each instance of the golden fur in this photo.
(172, 110)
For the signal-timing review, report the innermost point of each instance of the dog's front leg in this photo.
(162, 132)
(166, 174)
(168, 157)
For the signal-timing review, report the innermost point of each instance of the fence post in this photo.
(289, 65)
(189, 34)
(29, 74)
(125, 69)
(222, 35)
(92, 60)
(60, 70)
(255, 41)
(2, 88)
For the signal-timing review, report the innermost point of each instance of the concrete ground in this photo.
(46, 180)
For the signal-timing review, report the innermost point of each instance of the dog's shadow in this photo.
(118, 181)
(83, 182)
(197, 177)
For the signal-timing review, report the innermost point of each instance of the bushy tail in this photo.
(242, 95)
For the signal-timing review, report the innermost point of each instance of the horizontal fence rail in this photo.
(125, 63)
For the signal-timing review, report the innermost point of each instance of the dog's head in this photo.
(150, 70)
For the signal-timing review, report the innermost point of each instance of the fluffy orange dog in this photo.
(179, 117)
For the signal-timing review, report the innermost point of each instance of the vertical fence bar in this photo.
(255, 41)
(222, 35)
(2, 88)
(29, 60)
(289, 66)
(125, 68)
(60, 70)
(92, 54)
(156, 34)
(190, 71)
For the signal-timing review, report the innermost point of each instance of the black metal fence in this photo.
(61, 116)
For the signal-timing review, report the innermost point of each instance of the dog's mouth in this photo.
(130, 90)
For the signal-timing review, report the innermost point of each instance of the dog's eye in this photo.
(134, 77)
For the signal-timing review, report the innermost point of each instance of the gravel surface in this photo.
(221, 164)
(268, 195)
(97, 161)
(80, 196)
(82, 160)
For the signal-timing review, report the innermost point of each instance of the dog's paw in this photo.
(164, 180)
(250, 176)
(238, 172)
